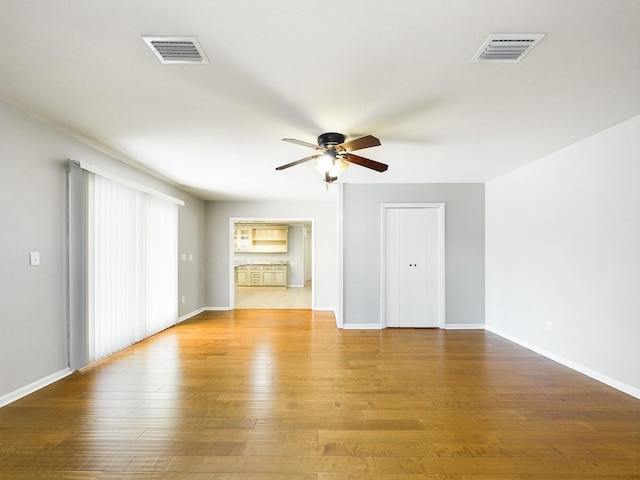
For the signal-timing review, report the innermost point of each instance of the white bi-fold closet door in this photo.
(413, 269)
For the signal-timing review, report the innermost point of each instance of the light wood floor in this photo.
(285, 395)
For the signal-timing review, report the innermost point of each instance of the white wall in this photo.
(563, 246)
(217, 240)
(464, 248)
(33, 215)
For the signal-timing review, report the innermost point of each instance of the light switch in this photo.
(34, 259)
(190, 256)
(184, 257)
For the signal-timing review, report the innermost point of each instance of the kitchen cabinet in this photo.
(243, 275)
(262, 275)
(274, 275)
(261, 239)
(255, 275)
(242, 239)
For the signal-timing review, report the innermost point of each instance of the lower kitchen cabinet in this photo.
(275, 278)
(262, 275)
(243, 276)
(255, 275)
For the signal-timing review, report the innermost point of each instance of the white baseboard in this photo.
(32, 387)
(324, 309)
(377, 326)
(227, 309)
(612, 382)
(189, 315)
(362, 326)
(464, 326)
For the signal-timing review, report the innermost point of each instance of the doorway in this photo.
(253, 270)
(412, 288)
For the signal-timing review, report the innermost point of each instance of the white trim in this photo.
(339, 313)
(464, 326)
(440, 206)
(33, 387)
(217, 309)
(612, 382)
(90, 167)
(189, 315)
(362, 326)
(232, 263)
(325, 309)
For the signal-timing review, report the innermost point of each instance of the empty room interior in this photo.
(338, 240)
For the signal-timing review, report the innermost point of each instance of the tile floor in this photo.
(274, 297)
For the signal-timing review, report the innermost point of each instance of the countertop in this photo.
(241, 263)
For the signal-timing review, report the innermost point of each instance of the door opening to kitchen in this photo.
(271, 263)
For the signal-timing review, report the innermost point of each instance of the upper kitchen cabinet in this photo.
(242, 239)
(269, 239)
(261, 239)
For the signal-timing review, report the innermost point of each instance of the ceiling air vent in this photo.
(506, 47)
(176, 49)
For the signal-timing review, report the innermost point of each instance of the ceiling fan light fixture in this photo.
(325, 162)
(338, 167)
(331, 165)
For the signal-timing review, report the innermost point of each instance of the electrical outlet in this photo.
(549, 326)
(34, 259)
(183, 299)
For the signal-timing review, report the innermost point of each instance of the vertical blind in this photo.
(132, 265)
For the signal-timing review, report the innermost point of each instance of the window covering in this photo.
(132, 265)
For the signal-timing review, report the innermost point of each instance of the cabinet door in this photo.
(280, 278)
(268, 277)
(243, 277)
(242, 239)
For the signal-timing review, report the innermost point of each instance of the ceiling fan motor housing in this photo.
(330, 139)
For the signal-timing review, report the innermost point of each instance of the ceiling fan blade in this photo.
(297, 162)
(365, 162)
(300, 142)
(359, 143)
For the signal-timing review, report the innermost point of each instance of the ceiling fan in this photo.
(335, 156)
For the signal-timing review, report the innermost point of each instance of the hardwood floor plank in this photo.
(387, 476)
(244, 464)
(206, 476)
(501, 466)
(17, 475)
(285, 395)
(405, 436)
(495, 449)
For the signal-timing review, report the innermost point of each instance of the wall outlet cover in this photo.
(34, 259)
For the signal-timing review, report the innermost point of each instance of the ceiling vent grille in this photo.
(172, 50)
(506, 47)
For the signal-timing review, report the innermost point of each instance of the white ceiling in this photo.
(282, 68)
